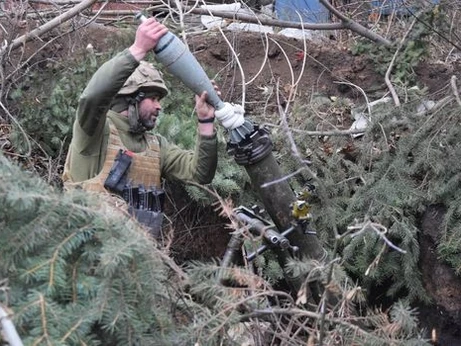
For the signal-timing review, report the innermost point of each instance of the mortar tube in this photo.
(255, 155)
(277, 198)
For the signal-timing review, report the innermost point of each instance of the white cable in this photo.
(231, 115)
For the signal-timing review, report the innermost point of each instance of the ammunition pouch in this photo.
(117, 178)
(152, 220)
(146, 205)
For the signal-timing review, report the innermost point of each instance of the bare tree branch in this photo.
(387, 79)
(454, 87)
(319, 133)
(348, 23)
(73, 2)
(48, 26)
(267, 21)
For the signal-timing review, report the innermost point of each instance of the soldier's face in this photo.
(149, 109)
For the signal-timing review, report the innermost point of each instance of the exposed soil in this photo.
(440, 282)
(327, 68)
(324, 66)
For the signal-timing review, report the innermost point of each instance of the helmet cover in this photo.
(145, 78)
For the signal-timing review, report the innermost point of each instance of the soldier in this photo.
(111, 149)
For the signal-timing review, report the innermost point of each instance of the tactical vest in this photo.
(144, 169)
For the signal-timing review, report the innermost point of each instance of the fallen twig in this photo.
(362, 92)
(26, 137)
(320, 133)
(387, 79)
(454, 87)
(268, 21)
(379, 229)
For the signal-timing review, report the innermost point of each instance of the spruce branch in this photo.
(78, 262)
(349, 323)
(44, 320)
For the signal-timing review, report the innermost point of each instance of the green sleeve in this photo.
(96, 99)
(186, 165)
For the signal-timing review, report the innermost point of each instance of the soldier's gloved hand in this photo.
(231, 115)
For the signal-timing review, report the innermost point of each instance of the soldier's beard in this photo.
(148, 123)
(139, 122)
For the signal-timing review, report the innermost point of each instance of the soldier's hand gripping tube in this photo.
(117, 178)
(175, 56)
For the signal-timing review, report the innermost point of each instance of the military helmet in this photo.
(145, 78)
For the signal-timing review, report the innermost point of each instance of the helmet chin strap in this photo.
(136, 127)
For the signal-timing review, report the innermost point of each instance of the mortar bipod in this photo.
(273, 240)
(267, 231)
(252, 221)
